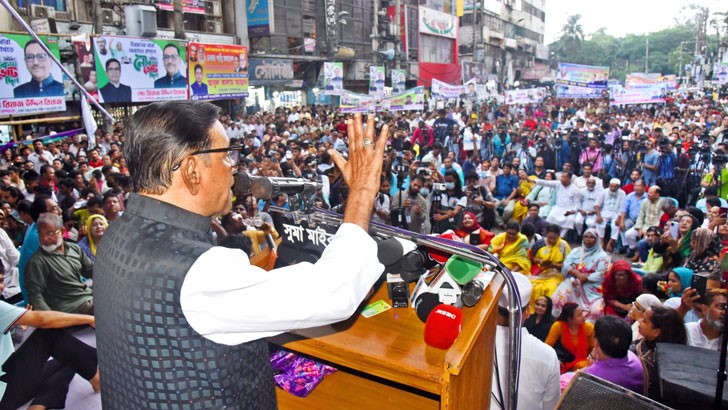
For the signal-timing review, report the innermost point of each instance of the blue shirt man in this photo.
(505, 184)
(666, 170)
(650, 161)
(632, 204)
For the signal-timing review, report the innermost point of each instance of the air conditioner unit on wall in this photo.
(213, 8)
(214, 27)
(110, 17)
(42, 11)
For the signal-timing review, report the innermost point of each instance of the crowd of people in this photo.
(609, 212)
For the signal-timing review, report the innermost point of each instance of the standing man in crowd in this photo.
(159, 276)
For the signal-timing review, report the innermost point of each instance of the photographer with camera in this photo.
(448, 201)
(501, 140)
(718, 178)
(649, 163)
(480, 201)
(666, 178)
(411, 204)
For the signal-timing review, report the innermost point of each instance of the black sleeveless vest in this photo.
(149, 356)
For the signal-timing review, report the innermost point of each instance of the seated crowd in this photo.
(506, 180)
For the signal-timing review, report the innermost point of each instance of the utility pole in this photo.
(397, 34)
(647, 54)
(178, 21)
(98, 17)
(375, 31)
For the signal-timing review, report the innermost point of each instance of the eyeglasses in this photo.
(50, 233)
(233, 154)
(170, 57)
(113, 69)
(40, 57)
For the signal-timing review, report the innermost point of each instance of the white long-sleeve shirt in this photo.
(229, 301)
(567, 197)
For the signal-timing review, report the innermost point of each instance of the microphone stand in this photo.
(315, 216)
(721, 366)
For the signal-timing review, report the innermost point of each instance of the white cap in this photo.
(524, 290)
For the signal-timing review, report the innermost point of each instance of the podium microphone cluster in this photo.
(267, 187)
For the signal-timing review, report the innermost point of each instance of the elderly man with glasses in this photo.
(185, 322)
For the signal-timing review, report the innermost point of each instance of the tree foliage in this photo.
(626, 54)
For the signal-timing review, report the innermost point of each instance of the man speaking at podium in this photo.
(181, 323)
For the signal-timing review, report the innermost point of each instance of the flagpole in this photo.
(45, 48)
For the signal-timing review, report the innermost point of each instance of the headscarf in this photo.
(634, 282)
(462, 230)
(90, 221)
(648, 301)
(703, 238)
(684, 248)
(686, 277)
(587, 252)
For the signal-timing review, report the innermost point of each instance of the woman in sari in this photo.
(705, 247)
(658, 325)
(584, 271)
(525, 185)
(95, 227)
(572, 338)
(547, 263)
(470, 232)
(511, 247)
(621, 288)
(544, 196)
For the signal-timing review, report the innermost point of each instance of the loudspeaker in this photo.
(590, 392)
(688, 376)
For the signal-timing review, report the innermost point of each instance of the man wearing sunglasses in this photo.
(42, 83)
(185, 322)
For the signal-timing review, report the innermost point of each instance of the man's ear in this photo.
(190, 172)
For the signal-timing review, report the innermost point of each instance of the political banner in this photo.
(642, 80)
(351, 102)
(376, 81)
(478, 71)
(188, 6)
(399, 77)
(720, 73)
(525, 96)
(619, 95)
(572, 91)
(258, 13)
(582, 75)
(30, 81)
(218, 71)
(333, 78)
(470, 90)
(412, 99)
(443, 90)
(133, 69)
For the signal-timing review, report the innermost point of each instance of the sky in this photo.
(620, 17)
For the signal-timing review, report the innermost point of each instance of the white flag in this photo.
(88, 121)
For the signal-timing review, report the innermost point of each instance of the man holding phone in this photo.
(688, 305)
(706, 333)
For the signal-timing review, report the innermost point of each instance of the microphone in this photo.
(403, 257)
(267, 187)
(443, 326)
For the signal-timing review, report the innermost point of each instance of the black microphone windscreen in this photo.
(389, 251)
(425, 303)
(241, 185)
(261, 187)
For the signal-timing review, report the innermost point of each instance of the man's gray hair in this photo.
(50, 219)
(160, 135)
(667, 203)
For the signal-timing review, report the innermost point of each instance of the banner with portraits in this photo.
(376, 81)
(131, 69)
(472, 69)
(525, 96)
(333, 78)
(218, 71)
(89, 79)
(619, 95)
(443, 90)
(412, 99)
(642, 80)
(579, 75)
(720, 73)
(399, 78)
(30, 81)
(572, 91)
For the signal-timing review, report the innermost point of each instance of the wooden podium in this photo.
(384, 363)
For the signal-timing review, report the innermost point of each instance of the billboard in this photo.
(399, 78)
(333, 78)
(525, 96)
(641, 80)
(437, 23)
(131, 69)
(258, 13)
(268, 71)
(572, 91)
(582, 75)
(188, 6)
(443, 90)
(30, 81)
(412, 99)
(619, 95)
(218, 71)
